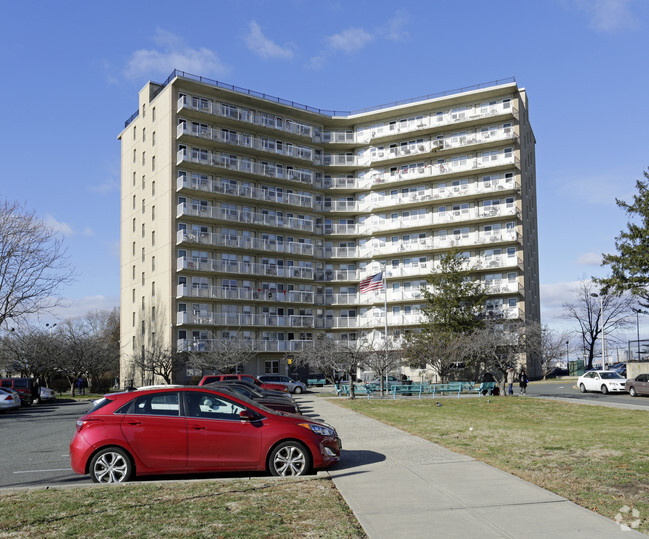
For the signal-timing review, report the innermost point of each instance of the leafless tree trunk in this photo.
(33, 263)
(587, 311)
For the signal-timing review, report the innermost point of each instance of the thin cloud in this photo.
(264, 47)
(590, 259)
(350, 40)
(58, 226)
(105, 188)
(608, 16)
(396, 27)
(173, 53)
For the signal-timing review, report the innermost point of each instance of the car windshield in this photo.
(610, 375)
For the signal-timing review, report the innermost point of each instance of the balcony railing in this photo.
(243, 268)
(239, 216)
(243, 242)
(430, 170)
(245, 115)
(243, 140)
(245, 320)
(216, 186)
(246, 294)
(228, 162)
(206, 345)
(451, 118)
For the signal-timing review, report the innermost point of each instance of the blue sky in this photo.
(72, 71)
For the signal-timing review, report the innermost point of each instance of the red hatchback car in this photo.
(195, 429)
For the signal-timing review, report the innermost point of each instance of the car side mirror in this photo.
(248, 415)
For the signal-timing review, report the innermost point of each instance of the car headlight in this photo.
(318, 429)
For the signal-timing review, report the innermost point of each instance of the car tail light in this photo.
(8, 398)
(83, 423)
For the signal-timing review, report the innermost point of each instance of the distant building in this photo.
(246, 216)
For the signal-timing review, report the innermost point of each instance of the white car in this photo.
(9, 399)
(604, 381)
(46, 394)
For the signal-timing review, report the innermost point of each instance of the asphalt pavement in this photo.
(400, 485)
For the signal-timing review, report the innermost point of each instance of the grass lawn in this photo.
(594, 456)
(260, 507)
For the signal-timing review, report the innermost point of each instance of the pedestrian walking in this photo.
(522, 381)
(80, 385)
(511, 376)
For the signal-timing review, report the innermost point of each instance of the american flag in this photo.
(373, 282)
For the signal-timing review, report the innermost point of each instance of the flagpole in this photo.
(385, 299)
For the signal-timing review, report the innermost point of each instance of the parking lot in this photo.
(34, 445)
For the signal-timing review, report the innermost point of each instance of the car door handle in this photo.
(134, 423)
(197, 427)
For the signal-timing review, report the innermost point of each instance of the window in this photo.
(134, 179)
(167, 404)
(143, 279)
(153, 163)
(143, 158)
(143, 111)
(153, 188)
(133, 249)
(133, 224)
(153, 238)
(143, 181)
(210, 406)
(143, 134)
(143, 229)
(153, 115)
(134, 202)
(271, 366)
(152, 289)
(153, 213)
(134, 156)
(153, 138)
(153, 263)
(143, 258)
(143, 205)
(133, 295)
(133, 272)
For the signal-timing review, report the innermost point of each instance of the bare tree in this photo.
(551, 344)
(382, 357)
(226, 354)
(587, 310)
(33, 263)
(441, 351)
(152, 357)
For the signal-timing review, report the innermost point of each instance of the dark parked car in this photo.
(638, 385)
(195, 429)
(274, 402)
(248, 377)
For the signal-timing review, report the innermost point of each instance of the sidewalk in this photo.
(399, 485)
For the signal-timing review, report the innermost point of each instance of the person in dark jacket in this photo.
(522, 381)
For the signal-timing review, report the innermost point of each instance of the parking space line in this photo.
(41, 471)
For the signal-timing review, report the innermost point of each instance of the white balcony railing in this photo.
(218, 212)
(243, 268)
(246, 294)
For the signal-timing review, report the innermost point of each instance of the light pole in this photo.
(601, 318)
(637, 329)
(567, 358)
(51, 328)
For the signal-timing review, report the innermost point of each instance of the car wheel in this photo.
(604, 389)
(297, 390)
(582, 388)
(111, 465)
(289, 459)
(633, 392)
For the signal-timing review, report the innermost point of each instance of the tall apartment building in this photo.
(251, 217)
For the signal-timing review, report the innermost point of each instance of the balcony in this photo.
(243, 140)
(266, 195)
(472, 114)
(237, 164)
(243, 268)
(245, 115)
(467, 214)
(220, 213)
(205, 345)
(243, 242)
(245, 294)
(244, 320)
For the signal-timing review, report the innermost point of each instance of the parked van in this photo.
(26, 387)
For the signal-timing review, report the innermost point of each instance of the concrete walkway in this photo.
(399, 485)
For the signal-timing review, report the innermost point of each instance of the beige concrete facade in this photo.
(245, 216)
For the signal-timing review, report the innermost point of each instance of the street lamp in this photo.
(567, 358)
(601, 317)
(637, 329)
(51, 328)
